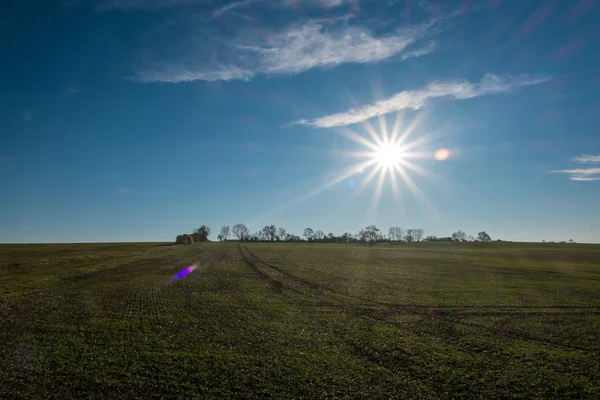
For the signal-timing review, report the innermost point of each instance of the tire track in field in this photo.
(297, 279)
(380, 312)
(270, 282)
(374, 305)
(434, 309)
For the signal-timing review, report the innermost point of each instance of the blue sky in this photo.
(137, 120)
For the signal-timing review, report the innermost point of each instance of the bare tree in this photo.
(319, 235)
(308, 233)
(409, 235)
(346, 238)
(281, 234)
(370, 234)
(396, 233)
(240, 231)
(483, 237)
(399, 233)
(270, 232)
(459, 236)
(363, 235)
(418, 234)
(224, 235)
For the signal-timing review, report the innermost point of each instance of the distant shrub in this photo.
(184, 239)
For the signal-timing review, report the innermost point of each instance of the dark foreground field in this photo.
(299, 321)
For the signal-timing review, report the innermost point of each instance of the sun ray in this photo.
(337, 178)
(383, 129)
(421, 198)
(409, 183)
(422, 155)
(353, 169)
(371, 131)
(367, 179)
(424, 139)
(396, 192)
(355, 137)
(394, 182)
(397, 126)
(418, 169)
(355, 154)
(378, 189)
(414, 124)
(364, 182)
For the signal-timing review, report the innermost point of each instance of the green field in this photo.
(308, 321)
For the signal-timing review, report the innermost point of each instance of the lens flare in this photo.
(184, 272)
(442, 154)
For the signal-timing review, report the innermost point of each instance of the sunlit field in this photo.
(437, 320)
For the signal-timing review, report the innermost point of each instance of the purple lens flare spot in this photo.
(184, 272)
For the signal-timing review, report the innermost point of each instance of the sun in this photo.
(388, 154)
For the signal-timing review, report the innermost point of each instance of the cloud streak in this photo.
(327, 4)
(176, 73)
(416, 99)
(583, 174)
(231, 6)
(587, 159)
(319, 3)
(315, 44)
(107, 5)
(311, 45)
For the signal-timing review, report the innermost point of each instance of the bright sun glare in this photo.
(388, 155)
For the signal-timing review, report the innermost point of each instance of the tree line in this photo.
(370, 235)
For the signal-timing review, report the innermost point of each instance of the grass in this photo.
(300, 321)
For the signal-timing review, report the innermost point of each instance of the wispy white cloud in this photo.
(319, 3)
(175, 73)
(419, 52)
(311, 45)
(316, 43)
(583, 174)
(587, 159)
(233, 5)
(106, 5)
(415, 99)
(585, 178)
(327, 4)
